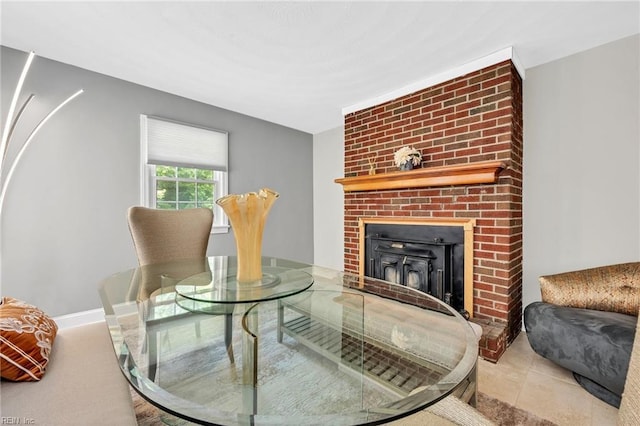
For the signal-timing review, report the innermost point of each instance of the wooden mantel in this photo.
(461, 174)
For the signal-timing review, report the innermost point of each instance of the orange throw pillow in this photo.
(26, 339)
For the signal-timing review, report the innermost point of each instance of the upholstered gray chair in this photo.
(161, 237)
(586, 323)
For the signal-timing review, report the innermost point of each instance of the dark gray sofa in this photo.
(586, 323)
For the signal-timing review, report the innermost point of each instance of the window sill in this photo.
(220, 229)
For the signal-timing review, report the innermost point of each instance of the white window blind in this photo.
(183, 166)
(175, 144)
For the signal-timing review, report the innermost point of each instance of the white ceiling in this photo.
(299, 63)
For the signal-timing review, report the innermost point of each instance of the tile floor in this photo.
(524, 379)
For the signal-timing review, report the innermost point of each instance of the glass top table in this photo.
(330, 348)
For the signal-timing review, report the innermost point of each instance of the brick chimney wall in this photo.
(473, 118)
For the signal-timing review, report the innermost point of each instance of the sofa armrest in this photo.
(629, 413)
(613, 288)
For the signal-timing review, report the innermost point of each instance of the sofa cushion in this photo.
(26, 338)
(83, 385)
(593, 344)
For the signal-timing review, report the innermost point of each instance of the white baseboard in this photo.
(79, 318)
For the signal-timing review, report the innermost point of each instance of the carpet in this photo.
(502, 413)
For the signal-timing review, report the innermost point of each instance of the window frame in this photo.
(148, 176)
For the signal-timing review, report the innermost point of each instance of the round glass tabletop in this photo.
(199, 291)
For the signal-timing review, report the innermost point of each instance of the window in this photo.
(183, 166)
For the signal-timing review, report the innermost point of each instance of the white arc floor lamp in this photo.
(7, 132)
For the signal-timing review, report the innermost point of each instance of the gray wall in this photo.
(328, 198)
(64, 221)
(581, 189)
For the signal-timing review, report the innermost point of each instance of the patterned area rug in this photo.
(504, 414)
(500, 412)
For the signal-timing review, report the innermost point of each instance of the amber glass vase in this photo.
(248, 213)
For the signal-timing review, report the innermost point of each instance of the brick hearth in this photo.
(471, 119)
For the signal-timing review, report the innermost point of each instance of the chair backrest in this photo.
(165, 235)
(629, 413)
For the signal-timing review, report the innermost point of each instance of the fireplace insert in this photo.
(424, 257)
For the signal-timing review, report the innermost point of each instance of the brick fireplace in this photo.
(469, 131)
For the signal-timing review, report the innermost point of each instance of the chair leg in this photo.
(228, 325)
(280, 323)
(152, 354)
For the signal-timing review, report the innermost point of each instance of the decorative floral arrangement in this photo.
(407, 154)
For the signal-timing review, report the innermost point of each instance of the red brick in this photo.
(446, 123)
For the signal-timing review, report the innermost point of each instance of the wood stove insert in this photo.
(428, 258)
